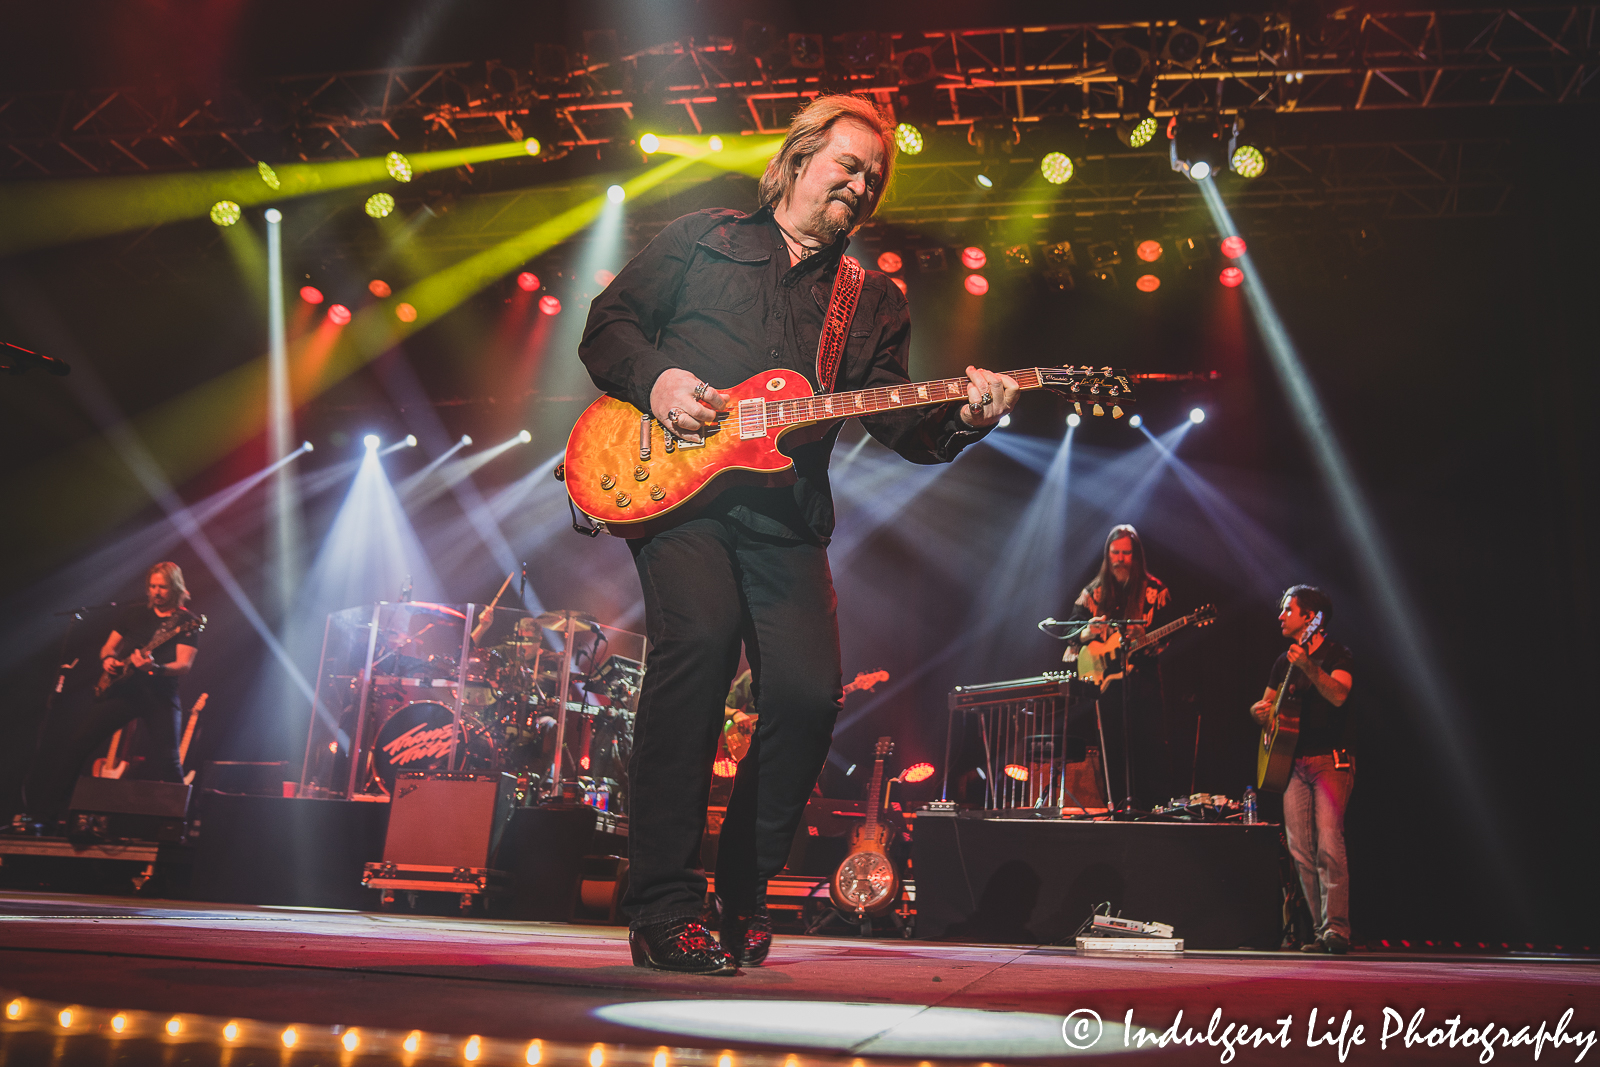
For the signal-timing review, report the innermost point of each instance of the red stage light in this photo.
(405, 313)
(725, 768)
(338, 314)
(1232, 277)
(890, 262)
(977, 284)
(1017, 771)
(1233, 247)
(527, 281)
(973, 258)
(549, 305)
(379, 288)
(1149, 251)
(311, 294)
(900, 283)
(917, 772)
(1147, 283)
(603, 277)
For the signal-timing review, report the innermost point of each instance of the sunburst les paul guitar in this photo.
(1102, 662)
(634, 477)
(180, 624)
(1275, 755)
(866, 883)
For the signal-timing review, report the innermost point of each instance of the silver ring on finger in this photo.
(700, 390)
(672, 417)
(985, 400)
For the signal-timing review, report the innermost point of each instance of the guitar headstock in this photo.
(1311, 630)
(884, 748)
(866, 680)
(1205, 615)
(1095, 386)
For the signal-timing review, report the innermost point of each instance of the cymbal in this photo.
(559, 621)
(438, 609)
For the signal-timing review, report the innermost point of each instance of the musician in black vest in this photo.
(148, 692)
(1324, 762)
(717, 298)
(1134, 751)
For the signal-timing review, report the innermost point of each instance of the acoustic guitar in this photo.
(180, 624)
(1275, 756)
(1103, 662)
(866, 883)
(634, 477)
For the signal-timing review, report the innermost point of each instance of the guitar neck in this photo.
(872, 805)
(1155, 635)
(1082, 384)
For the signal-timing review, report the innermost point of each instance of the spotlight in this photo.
(405, 313)
(371, 441)
(1136, 421)
(973, 258)
(1018, 257)
(917, 772)
(380, 205)
(465, 440)
(649, 144)
(1233, 247)
(984, 181)
(472, 1049)
(379, 288)
(528, 282)
(269, 176)
(1197, 416)
(339, 315)
(1196, 148)
(272, 215)
(308, 446)
(1232, 277)
(603, 277)
(311, 294)
(890, 262)
(976, 284)
(1199, 170)
(1147, 283)
(229, 1032)
(411, 440)
(908, 138)
(715, 143)
(549, 305)
(1247, 161)
(398, 166)
(1149, 251)
(525, 437)
(1017, 771)
(119, 1022)
(1005, 420)
(1138, 132)
(532, 146)
(1056, 168)
(616, 194)
(175, 1026)
(225, 213)
(290, 1037)
(351, 1040)
(1073, 418)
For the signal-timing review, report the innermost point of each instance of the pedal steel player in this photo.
(716, 298)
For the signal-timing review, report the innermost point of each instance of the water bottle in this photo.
(1250, 805)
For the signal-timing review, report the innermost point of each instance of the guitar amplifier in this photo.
(446, 820)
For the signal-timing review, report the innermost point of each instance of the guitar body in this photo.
(635, 497)
(866, 883)
(1097, 661)
(1275, 756)
(181, 623)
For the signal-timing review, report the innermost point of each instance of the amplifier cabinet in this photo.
(442, 820)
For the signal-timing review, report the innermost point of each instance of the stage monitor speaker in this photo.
(286, 851)
(246, 779)
(128, 808)
(543, 850)
(445, 820)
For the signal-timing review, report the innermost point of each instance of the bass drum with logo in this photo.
(418, 738)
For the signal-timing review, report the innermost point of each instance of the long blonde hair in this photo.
(809, 132)
(174, 576)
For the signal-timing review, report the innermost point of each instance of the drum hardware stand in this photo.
(461, 686)
(366, 690)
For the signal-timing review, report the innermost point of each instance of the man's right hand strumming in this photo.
(1261, 711)
(684, 403)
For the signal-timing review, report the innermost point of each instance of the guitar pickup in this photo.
(644, 437)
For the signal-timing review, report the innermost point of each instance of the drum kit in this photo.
(545, 703)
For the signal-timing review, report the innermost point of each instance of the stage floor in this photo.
(821, 998)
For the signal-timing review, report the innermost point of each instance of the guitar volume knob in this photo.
(640, 474)
(623, 500)
(607, 482)
(657, 493)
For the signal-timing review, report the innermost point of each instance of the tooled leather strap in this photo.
(836, 328)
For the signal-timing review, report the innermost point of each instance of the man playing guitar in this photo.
(1324, 765)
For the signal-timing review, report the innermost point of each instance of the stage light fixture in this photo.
(973, 258)
(1232, 277)
(14, 1009)
(119, 1023)
(976, 284)
(64, 1017)
(1059, 259)
(225, 213)
(549, 305)
(379, 288)
(1017, 258)
(380, 205)
(398, 166)
(603, 277)
(1147, 283)
(1017, 771)
(466, 441)
(230, 1032)
(371, 441)
(917, 772)
(725, 768)
(525, 437)
(411, 440)
(1184, 46)
(890, 262)
(174, 1026)
(339, 315)
(1149, 251)
(1073, 418)
(908, 138)
(1138, 132)
(1005, 420)
(984, 181)
(528, 282)
(1197, 416)
(289, 1037)
(616, 194)
(311, 294)
(1136, 421)
(413, 1041)
(272, 215)
(532, 146)
(649, 144)
(1056, 168)
(1233, 246)
(930, 260)
(536, 1053)
(1247, 161)
(308, 446)
(405, 313)
(1196, 148)
(1199, 170)
(351, 1040)
(269, 176)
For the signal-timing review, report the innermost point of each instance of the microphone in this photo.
(17, 360)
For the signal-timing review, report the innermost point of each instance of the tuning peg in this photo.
(1077, 407)
(1116, 412)
(1098, 410)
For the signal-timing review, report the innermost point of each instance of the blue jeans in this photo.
(1313, 818)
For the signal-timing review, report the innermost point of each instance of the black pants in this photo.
(62, 755)
(1143, 750)
(709, 586)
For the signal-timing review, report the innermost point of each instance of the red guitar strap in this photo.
(836, 328)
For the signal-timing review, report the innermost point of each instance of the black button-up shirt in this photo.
(715, 295)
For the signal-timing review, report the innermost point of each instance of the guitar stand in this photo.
(864, 927)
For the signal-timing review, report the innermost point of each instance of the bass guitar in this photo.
(634, 476)
(180, 624)
(866, 883)
(1275, 756)
(1103, 662)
